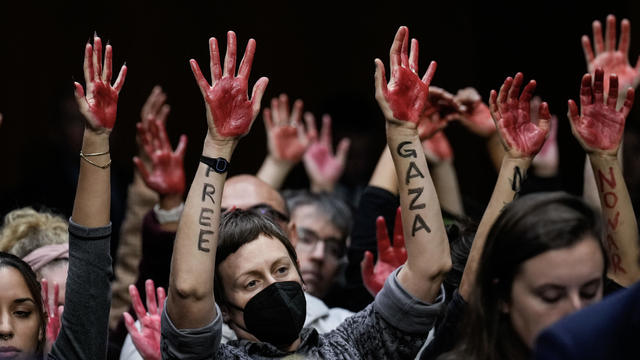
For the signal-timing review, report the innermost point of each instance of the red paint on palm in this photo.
(520, 136)
(230, 107)
(407, 95)
(390, 257)
(102, 100)
(147, 338)
(600, 126)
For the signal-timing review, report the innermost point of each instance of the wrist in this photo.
(522, 162)
(93, 142)
(170, 201)
(219, 148)
(273, 161)
(401, 129)
(318, 187)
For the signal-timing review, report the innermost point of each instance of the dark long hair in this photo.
(527, 227)
(31, 280)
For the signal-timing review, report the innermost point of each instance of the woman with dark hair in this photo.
(544, 258)
(84, 323)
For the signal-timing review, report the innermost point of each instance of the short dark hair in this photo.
(31, 280)
(527, 227)
(336, 210)
(239, 227)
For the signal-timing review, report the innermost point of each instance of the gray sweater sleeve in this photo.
(190, 344)
(84, 323)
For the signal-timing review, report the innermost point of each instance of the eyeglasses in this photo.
(308, 239)
(266, 210)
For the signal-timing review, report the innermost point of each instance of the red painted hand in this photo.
(520, 137)
(54, 312)
(100, 104)
(146, 338)
(167, 171)
(405, 99)
(476, 117)
(286, 136)
(599, 128)
(437, 148)
(230, 113)
(389, 257)
(322, 166)
(612, 61)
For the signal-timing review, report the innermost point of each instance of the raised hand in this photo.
(512, 115)
(437, 148)
(323, 167)
(54, 312)
(167, 171)
(606, 56)
(146, 338)
(442, 108)
(599, 126)
(100, 102)
(404, 100)
(476, 117)
(286, 136)
(230, 112)
(389, 257)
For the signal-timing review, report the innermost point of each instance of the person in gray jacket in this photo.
(252, 265)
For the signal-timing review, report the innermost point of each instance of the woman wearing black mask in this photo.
(258, 289)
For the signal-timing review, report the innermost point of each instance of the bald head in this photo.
(245, 191)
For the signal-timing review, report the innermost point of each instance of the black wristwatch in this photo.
(219, 165)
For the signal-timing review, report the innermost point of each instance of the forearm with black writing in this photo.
(426, 241)
(621, 228)
(513, 172)
(190, 303)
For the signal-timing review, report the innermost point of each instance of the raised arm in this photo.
(521, 140)
(83, 333)
(230, 114)
(287, 140)
(403, 102)
(599, 128)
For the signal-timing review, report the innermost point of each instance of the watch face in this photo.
(219, 165)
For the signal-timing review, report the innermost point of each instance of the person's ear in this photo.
(293, 234)
(226, 314)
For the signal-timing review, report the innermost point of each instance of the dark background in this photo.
(321, 52)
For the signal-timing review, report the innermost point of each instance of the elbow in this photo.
(188, 291)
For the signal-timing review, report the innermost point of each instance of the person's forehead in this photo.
(244, 195)
(567, 266)
(13, 284)
(312, 218)
(257, 255)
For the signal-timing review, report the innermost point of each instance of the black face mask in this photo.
(276, 314)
